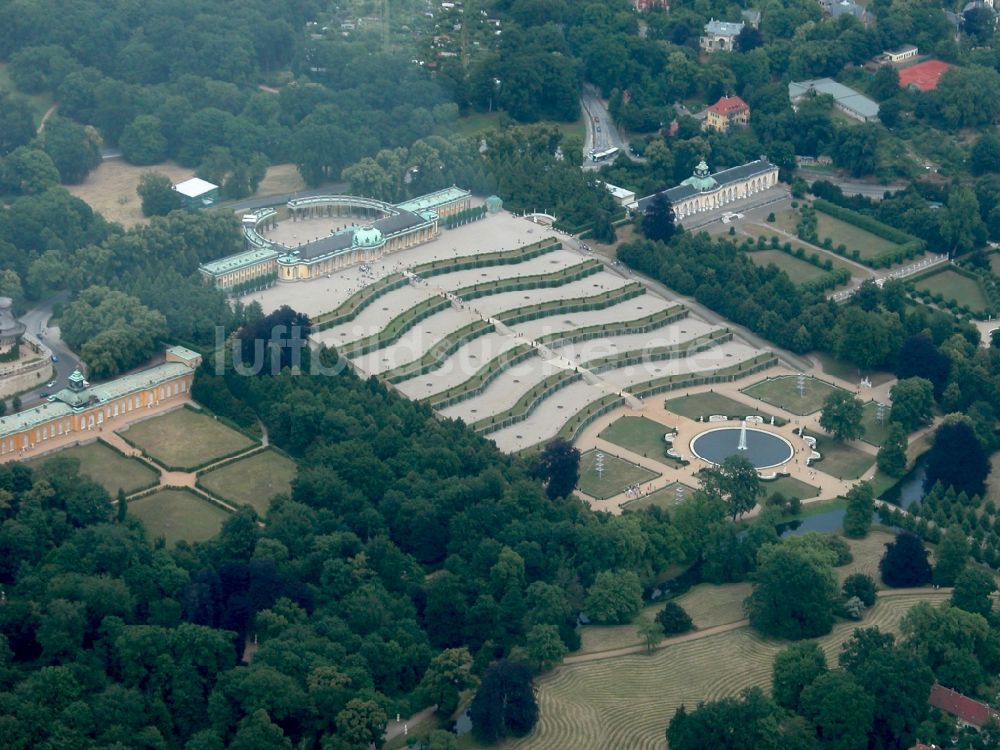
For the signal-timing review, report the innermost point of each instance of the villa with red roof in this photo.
(969, 712)
(728, 112)
(923, 76)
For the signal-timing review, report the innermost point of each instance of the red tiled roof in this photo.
(727, 105)
(924, 76)
(962, 707)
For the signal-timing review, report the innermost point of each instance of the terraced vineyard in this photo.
(627, 701)
(526, 342)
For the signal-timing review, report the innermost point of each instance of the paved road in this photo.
(851, 187)
(601, 130)
(36, 322)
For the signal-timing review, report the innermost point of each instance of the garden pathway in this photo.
(696, 634)
(654, 408)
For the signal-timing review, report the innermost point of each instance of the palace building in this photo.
(82, 407)
(706, 192)
(380, 228)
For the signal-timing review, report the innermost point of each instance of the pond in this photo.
(829, 521)
(910, 488)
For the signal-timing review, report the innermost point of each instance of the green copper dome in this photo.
(367, 236)
(701, 180)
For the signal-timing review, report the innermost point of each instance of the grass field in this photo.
(789, 487)
(709, 403)
(617, 475)
(110, 188)
(874, 432)
(799, 271)
(995, 263)
(178, 515)
(626, 702)
(253, 480)
(185, 438)
(841, 460)
(665, 497)
(108, 467)
(953, 285)
(767, 231)
(839, 368)
(854, 238)
(783, 392)
(639, 435)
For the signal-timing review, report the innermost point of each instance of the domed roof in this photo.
(701, 180)
(367, 236)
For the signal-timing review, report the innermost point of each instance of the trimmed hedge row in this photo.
(403, 322)
(527, 403)
(833, 277)
(395, 328)
(598, 330)
(486, 260)
(986, 281)
(353, 305)
(725, 375)
(481, 379)
(909, 246)
(538, 281)
(439, 353)
(658, 354)
(466, 215)
(577, 304)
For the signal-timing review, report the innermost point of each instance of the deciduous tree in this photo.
(505, 704)
(904, 564)
(794, 669)
(842, 412)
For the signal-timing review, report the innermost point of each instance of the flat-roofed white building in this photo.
(197, 193)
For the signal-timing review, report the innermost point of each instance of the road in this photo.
(851, 187)
(601, 131)
(36, 322)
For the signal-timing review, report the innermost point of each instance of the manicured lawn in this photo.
(627, 701)
(178, 515)
(786, 220)
(995, 263)
(767, 231)
(952, 285)
(253, 480)
(799, 271)
(185, 438)
(874, 432)
(854, 238)
(617, 475)
(639, 435)
(108, 467)
(783, 392)
(789, 487)
(665, 497)
(844, 370)
(708, 403)
(841, 460)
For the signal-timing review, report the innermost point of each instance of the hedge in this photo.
(909, 246)
(527, 403)
(598, 330)
(439, 353)
(481, 379)
(577, 304)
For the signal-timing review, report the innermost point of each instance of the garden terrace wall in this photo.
(440, 352)
(527, 403)
(658, 354)
(403, 322)
(599, 330)
(481, 379)
(485, 260)
(578, 304)
(353, 305)
(725, 375)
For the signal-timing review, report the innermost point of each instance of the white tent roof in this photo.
(194, 187)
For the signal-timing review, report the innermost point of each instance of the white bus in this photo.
(608, 153)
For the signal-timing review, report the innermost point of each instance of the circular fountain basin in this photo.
(764, 449)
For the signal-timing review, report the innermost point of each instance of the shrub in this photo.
(770, 216)
(674, 619)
